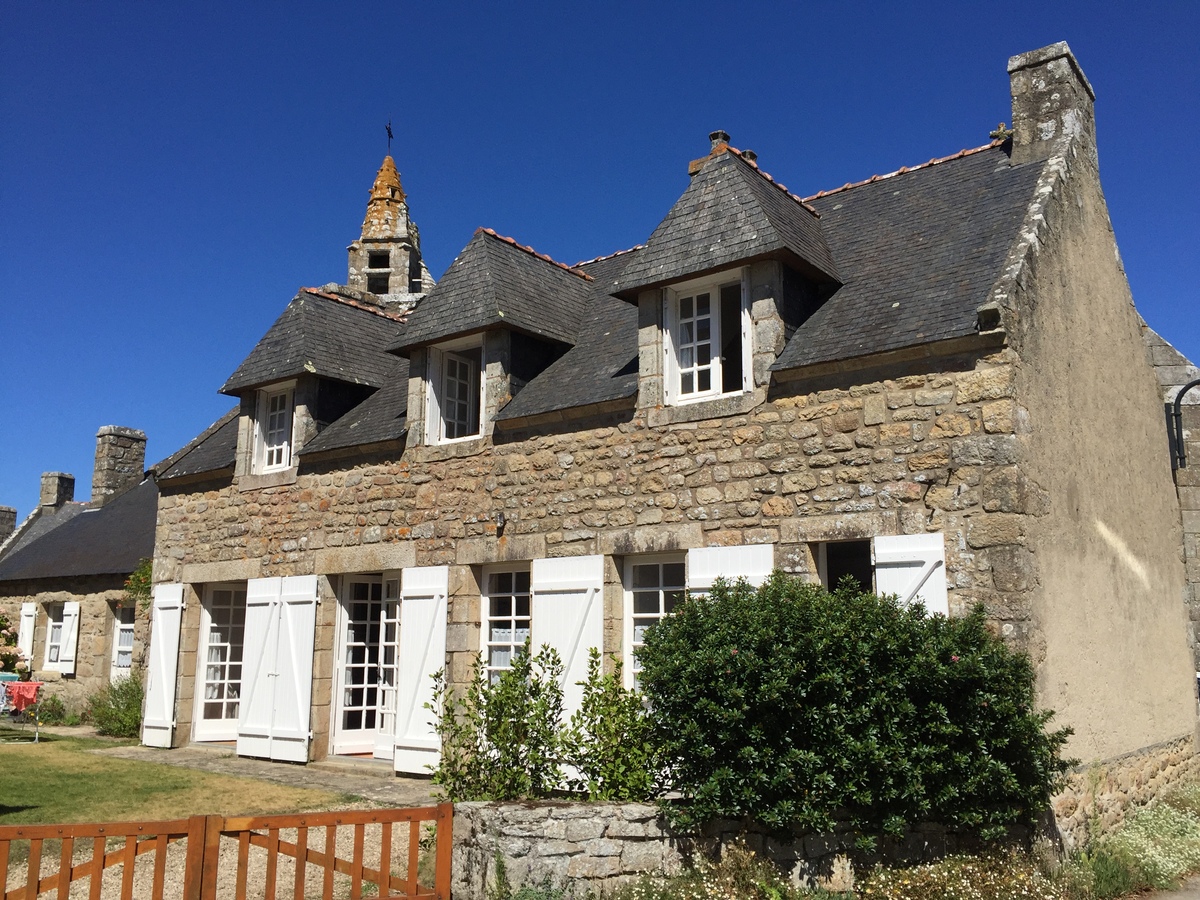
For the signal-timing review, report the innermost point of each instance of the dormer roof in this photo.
(496, 282)
(730, 213)
(321, 334)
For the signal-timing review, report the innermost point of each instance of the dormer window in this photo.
(706, 346)
(455, 386)
(273, 430)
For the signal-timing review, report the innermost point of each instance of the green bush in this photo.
(608, 740)
(51, 710)
(793, 705)
(500, 739)
(117, 709)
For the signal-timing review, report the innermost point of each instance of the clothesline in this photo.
(22, 694)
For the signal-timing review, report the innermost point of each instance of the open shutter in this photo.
(706, 564)
(158, 721)
(747, 327)
(913, 567)
(670, 376)
(423, 593)
(258, 667)
(70, 638)
(292, 703)
(568, 614)
(25, 631)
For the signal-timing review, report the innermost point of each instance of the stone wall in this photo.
(603, 845)
(1187, 482)
(1097, 796)
(97, 596)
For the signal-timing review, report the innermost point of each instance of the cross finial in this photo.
(389, 134)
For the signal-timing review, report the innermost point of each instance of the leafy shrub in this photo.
(500, 739)
(9, 654)
(137, 585)
(117, 709)
(51, 710)
(790, 704)
(608, 740)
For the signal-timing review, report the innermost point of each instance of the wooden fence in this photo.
(250, 866)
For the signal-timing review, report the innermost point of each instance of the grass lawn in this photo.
(57, 780)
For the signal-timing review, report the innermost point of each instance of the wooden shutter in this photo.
(747, 326)
(258, 666)
(70, 638)
(705, 565)
(913, 567)
(568, 614)
(670, 372)
(158, 721)
(423, 594)
(277, 665)
(25, 631)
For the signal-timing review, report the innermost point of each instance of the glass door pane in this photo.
(389, 646)
(219, 676)
(358, 667)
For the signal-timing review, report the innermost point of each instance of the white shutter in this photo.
(277, 665)
(747, 327)
(158, 720)
(670, 376)
(913, 567)
(25, 631)
(423, 593)
(258, 666)
(705, 565)
(70, 638)
(568, 614)
(433, 388)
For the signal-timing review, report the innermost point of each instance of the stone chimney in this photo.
(120, 462)
(1051, 99)
(718, 143)
(8, 522)
(57, 488)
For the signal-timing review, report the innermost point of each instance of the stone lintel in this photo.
(478, 551)
(840, 527)
(227, 570)
(372, 558)
(651, 539)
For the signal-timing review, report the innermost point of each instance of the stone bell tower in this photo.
(386, 259)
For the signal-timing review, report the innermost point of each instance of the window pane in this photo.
(685, 307)
(702, 305)
(673, 574)
(645, 576)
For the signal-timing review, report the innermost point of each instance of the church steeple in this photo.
(386, 259)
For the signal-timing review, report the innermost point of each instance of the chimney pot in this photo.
(57, 488)
(749, 155)
(120, 462)
(717, 138)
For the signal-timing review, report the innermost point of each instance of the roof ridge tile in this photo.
(355, 304)
(613, 255)
(904, 170)
(542, 256)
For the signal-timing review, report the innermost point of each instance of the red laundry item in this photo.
(22, 693)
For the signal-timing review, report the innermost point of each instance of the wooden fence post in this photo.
(445, 847)
(193, 870)
(212, 856)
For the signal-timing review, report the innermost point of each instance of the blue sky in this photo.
(170, 174)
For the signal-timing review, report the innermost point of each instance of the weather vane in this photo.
(389, 133)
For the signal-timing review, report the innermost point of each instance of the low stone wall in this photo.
(1098, 796)
(603, 845)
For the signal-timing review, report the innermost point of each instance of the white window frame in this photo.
(264, 448)
(122, 628)
(435, 379)
(673, 343)
(55, 618)
(518, 636)
(630, 667)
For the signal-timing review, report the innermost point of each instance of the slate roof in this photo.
(601, 366)
(320, 334)
(917, 253)
(45, 520)
(496, 281)
(212, 450)
(730, 213)
(106, 541)
(381, 417)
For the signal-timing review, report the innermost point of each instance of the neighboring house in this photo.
(932, 380)
(62, 573)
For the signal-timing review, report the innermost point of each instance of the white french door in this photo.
(356, 691)
(219, 663)
(389, 669)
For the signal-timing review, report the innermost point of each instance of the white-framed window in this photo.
(706, 339)
(122, 654)
(273, 429)
(911, 566)
(654, 585)
(507, 616)
(62, 637)
(455, 386)
(55, 635)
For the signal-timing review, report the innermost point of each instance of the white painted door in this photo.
(158, 720)
(913, 567)
(356, 676)
(277, 668)
(568, 614)
(219, 663)
(389, 669)
(423, 596)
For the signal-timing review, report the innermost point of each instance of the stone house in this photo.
(928, 380)
(63, 571)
